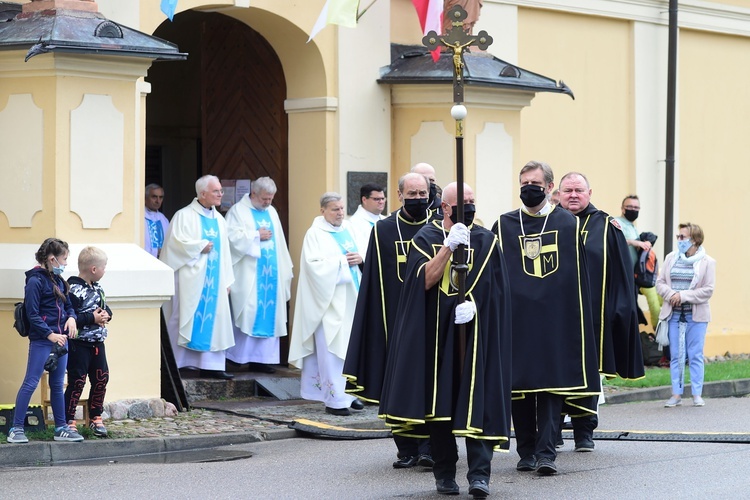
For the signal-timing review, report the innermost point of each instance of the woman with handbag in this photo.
(686, 283)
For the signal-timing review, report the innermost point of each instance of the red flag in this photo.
(430, 13)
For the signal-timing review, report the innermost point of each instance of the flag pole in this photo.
(366, 9)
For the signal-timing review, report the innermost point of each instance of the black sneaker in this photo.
(425, 460)
(405, 462)
(447, 487)
(479, 488)
(546, 467)
(585, 445)
(526, 464)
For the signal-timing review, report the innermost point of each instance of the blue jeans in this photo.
(39, 350)
(695, 337)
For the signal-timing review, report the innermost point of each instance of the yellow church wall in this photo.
(713, 149)
(590, 134)
(124, 357)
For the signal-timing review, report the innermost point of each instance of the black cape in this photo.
(554, 349)
(422, 381)
(377, 303)
(612, 295)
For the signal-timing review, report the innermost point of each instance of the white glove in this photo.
(465, 312)
(459, 235)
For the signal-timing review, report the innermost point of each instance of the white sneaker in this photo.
(698, 401)
(17, 435)
(672, 402)
(67, 433)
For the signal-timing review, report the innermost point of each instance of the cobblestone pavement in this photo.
(237, 416)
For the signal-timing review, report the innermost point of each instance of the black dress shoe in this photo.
(405, 462)
(220, 374)
(446, 486)
(261, 368)
(425, 460)
(342, 412)
(546, 467)
(357, 405)
(526, 464)
(479, 488)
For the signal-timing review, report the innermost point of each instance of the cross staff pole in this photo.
(458, 40)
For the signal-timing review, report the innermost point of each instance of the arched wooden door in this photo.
(244, 125)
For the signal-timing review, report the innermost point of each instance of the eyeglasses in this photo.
(631, 207)
(682, 237)
(217, 191)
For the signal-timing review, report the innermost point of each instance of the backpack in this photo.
(21, 320)
(650, 350)
(646, 269)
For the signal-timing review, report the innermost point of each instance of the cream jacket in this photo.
(701, 289)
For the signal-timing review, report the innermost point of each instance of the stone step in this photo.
(243, 386)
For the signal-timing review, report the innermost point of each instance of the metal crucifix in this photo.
(458, 40)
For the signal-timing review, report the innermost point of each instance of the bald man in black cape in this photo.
(377, 303)
(426, 380)
(613, 303)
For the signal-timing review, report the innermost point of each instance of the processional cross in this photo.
(458, 40)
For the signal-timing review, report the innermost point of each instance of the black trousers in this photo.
(583, 427)
(412, 447)
(536, 420)
(445, 453)
(86, 359)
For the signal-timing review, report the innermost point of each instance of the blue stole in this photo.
(345, 241)
(155, 233)
(267, 278)
(203, 321)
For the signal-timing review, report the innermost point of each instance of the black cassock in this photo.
(422, 381)
(554, 349)
(613, 299)
(377, 303)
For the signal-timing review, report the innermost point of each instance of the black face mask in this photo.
(532, 195)
(416, 207)
(469, 211)
(433, 192)
(631, 215)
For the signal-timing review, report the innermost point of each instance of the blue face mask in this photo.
(684, 245)
(58, 270)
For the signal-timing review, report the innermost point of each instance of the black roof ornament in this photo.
(108, 29)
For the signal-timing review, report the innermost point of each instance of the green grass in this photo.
(49, 433)
(656, 377)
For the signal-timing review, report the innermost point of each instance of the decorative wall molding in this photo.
(22, 165)
(96, 161)
(423, 95)
(311, 105)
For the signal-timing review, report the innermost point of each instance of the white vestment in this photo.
(149, 244)
(182, 252)
(324, 310)
(362, 223)
(246, 246)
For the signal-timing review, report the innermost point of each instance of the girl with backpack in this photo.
(52, 321)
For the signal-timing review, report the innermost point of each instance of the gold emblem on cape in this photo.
(532, 247)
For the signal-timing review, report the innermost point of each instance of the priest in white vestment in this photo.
(263, 278)
(370, 210)
(198, 316)
(326, 299)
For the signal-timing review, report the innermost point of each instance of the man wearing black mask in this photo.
(382, 279)
(631, 208)
(554, 349)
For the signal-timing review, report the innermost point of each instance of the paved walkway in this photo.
(242, 421)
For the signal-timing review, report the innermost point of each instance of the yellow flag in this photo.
(343, 12)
